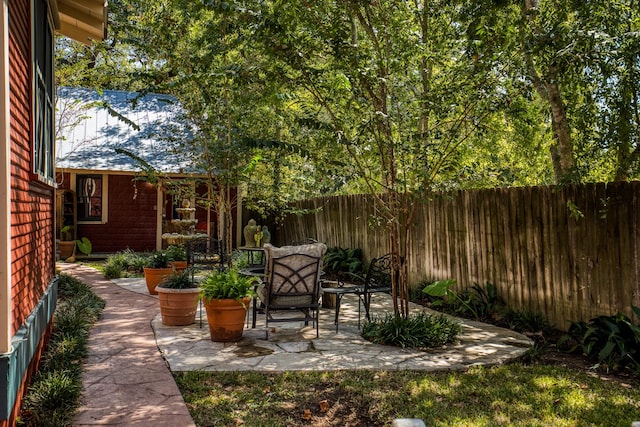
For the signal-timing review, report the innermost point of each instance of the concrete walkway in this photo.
(125, 379)
(128, 380)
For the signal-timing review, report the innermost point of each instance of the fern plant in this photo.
(229, 284)
(343, 261)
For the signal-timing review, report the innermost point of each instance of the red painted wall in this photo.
(32, 203)
(131, 218)
(131, 221)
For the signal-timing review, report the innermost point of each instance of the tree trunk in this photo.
(548, 89)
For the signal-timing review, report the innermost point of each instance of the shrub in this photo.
(418, 331)
(124, 262)
(342, 261)
(527, 321)
(478, 304)
(176, 253)
(113, 271)
(612, 341)
(53, 398)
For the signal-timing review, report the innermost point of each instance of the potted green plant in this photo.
(226, 296)
(178, 297)
(178, 257)
(156, 270)
(67, 243)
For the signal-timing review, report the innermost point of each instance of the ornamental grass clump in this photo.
(416, 331)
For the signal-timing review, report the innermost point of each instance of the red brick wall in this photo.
(32, 241)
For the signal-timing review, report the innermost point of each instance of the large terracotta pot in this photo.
(66, 248)
(178, 307)
(153, 277)
(226, 318)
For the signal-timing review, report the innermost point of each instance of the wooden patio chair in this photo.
(292, 284)
(377, 279)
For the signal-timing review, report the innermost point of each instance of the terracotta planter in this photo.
(178, 307)
(66, 248)
(153, 277)
(226, 318)
(179, 266)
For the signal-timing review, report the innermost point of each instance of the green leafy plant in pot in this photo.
(178, 257)
(156, 270)
(226, 296)
(178, 297)
(67, 244)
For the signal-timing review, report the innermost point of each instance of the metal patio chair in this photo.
(292, 284)
(377, 280)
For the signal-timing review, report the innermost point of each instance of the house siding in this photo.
(32, 203)
(33, 289)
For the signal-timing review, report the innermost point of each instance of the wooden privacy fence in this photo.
(569, 252)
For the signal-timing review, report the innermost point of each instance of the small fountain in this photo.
(185, 226)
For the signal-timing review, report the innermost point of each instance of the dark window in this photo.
(43, 145)
(89, 191)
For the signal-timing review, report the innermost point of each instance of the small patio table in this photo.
(253, 253)
(254, 271)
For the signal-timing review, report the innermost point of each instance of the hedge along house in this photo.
(122, 172)
(28, 290)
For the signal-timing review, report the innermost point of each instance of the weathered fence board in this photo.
(541, 255)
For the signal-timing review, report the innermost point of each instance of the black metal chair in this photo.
(204, 254)
(377, 279)
(292, 284)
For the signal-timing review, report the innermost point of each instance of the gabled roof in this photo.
(81, 20)
(92, 127)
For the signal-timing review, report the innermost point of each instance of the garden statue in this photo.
(250, 234)
(266, 235)
(258, 237)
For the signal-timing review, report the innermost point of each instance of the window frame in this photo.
(43, 90)
(104, 214)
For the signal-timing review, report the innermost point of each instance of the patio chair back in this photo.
(205, 253)
(378, 275)
(292, 283)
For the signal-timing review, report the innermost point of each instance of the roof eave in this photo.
(81, 20)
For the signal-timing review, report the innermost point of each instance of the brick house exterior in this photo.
(28, 289)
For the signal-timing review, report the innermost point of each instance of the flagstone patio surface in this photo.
(127, 378)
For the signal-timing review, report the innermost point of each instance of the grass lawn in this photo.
(517, 395)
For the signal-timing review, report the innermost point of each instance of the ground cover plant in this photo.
(505, 395)
(125, 263)
(54, 394)
(613, 342)
(417, 331)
